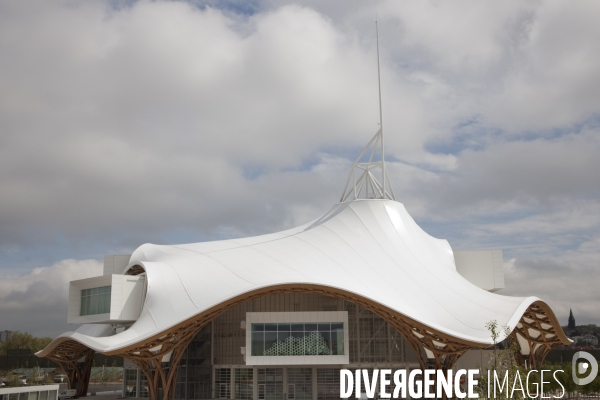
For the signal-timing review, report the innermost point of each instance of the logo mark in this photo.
(582, 367)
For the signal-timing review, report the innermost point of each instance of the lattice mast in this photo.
(361, 182)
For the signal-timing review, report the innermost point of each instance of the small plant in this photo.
(14, 381)
(521, 382)
(503, 363)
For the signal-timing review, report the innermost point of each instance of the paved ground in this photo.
(108, 391)
(106, 396)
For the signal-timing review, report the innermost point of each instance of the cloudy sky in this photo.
(123, 123)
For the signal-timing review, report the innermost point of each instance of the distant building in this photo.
(5, 335)
(571, 320)
(590, 339)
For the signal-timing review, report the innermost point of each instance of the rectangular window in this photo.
(143, 385)
(328, 384)
(270, 383)
(131, 382)
(299, 383)
(222, 383)
(95, 301)
(298, 339)
(244, 383)
(270, 336)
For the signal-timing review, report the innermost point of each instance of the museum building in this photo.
(277, 316)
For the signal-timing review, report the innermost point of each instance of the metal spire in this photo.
(361, 182)
(380, 109)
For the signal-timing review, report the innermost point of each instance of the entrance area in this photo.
(297, 336)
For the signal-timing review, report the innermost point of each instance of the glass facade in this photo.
(371, 338)
(131, 382)
(298, 339)
(270, 383)
(194, 377)
(244, 383)
(222, 383)
(214, 364)
(95, 301)
(299, 383)
(143, 385)
(328, 383)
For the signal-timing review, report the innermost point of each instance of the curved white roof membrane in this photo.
(371, 248)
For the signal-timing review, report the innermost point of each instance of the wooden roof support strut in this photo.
(78, 373)
(149, 354)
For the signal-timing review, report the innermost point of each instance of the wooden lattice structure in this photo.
(159, 356)
(76, 360)
(135, 270)
(537, 334)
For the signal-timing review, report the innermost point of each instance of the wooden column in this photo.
(538, 328)
(77, 361)
(162, 375)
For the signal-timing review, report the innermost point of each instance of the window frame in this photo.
(313, 317)
(95, 301)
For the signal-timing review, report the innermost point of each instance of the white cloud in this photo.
(36, 301)
(521, 176)
(162, 121)
(566, 282)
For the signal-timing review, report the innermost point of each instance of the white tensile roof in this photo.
(370, 248)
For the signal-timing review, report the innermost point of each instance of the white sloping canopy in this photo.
(369, 248)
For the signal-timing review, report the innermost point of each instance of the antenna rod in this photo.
(383, 172)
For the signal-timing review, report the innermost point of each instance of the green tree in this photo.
(24, 340)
